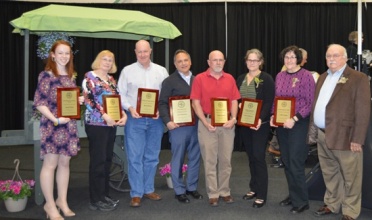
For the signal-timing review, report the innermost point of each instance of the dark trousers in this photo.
(101, 144)
(184, 140)
(294, 152)
(255, 143)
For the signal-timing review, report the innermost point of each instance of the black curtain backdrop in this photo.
(267, 26)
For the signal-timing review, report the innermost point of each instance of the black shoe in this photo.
(278, 165)
(296, 210)
(324, 210)
(194, 194)
(111, 200)
(249, 196)
(182, 198)
(285, 202)
(258, 204)
(102, 206)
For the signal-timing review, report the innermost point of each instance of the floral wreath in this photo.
(47, 40)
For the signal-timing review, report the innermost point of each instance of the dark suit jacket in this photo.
(265, 92)
(347, 112)
(174, 85)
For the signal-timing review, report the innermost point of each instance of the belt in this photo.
(208, 116)
(323, 130)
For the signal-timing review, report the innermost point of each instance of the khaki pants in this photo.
(342, 173)
(216, 149)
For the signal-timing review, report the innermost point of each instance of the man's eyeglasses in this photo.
(334, 56)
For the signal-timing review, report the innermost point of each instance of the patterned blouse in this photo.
(94, 88)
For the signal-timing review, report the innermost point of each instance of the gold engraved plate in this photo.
(112, 106)
(284, 109)
(250, 112)
(220, 111)
(181, 110)
(68, 102)
(147, 102)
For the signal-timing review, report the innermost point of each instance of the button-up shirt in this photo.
(325, 94)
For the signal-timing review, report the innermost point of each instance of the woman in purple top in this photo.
(297, 83)
(58, 136)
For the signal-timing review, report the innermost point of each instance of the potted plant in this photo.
(15, 192)
(166, 171)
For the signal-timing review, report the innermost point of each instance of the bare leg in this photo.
(62, 178)
(47, 184)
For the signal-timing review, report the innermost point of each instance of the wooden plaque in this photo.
(147, 102)
(220, 111)
(68, 102)
(180, 110)
(249, 113)
(284, 108)
(112, 106)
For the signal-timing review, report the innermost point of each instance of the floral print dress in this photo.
(61, 139)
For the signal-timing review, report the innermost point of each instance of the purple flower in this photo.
(166, 170)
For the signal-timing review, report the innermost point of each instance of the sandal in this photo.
(250, 195)
(258, 203)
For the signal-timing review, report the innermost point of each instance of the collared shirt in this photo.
(135, 76)
(205, 87)
(186, 78)
(325, 94)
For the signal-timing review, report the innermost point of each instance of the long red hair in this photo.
(52, 66)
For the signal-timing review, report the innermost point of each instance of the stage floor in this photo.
(168, 207)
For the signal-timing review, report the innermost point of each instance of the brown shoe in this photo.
(135, 202)
(228, 199)
(346, 217)
(213, 202)
(324, 210)
(153, 196)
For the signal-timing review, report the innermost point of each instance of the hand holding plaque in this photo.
(147, 102)
(112, 106)
(284, 108)
(68, 102)
(180, 110)
(249, 112)
(220, 111)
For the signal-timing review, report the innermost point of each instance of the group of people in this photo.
(338, 129)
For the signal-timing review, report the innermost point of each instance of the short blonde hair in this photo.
(97, 61)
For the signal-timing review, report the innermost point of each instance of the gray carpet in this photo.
(168, 207)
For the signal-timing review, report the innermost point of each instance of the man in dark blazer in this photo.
(183, 139)
(339, 123)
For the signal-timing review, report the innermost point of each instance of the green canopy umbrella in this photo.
(96, 23)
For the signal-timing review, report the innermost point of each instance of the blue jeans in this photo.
(142, 142)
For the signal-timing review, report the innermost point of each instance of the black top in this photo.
(352, 55)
